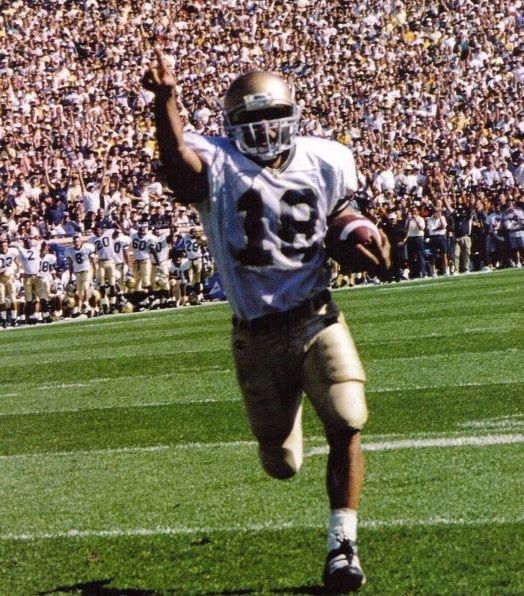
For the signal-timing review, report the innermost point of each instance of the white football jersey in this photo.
(192, 247)
(266, 227)
(29, 259)
(47, 266)
(8, 261)
(120, 243)
(161, 248)
(142, 246)
(80, 258)
(103, 245)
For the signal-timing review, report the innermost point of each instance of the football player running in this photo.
(264, 195)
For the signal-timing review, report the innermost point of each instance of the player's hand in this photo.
(159, 78)
(379, 253)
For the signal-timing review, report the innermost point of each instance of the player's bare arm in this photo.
(185, 171)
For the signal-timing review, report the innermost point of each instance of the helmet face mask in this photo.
(260, 115)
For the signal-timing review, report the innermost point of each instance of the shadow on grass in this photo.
(313, 590)
(99, 588)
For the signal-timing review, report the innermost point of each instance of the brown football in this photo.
(346, 230)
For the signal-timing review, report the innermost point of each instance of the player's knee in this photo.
(349, 407)
(279, 462)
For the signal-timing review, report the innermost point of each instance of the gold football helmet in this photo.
(260, 115)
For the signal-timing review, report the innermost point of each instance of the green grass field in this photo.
(127, 468)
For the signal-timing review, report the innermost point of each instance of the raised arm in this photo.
(185, 171)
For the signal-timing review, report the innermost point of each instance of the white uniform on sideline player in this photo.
(264, 196)
(81, 259)
(143, 244)
(179, 267)
(45, 281)
(103, 241)
(193, 248)
(8, 268)
(29, 257)
(160, 269)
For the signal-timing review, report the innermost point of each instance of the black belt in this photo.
(278, 319)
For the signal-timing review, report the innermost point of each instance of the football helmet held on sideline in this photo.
(260, 115)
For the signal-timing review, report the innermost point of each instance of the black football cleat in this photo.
(342, 571)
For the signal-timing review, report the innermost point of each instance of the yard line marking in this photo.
(441, 386)
(189, 401)
(413, 443)
(485, 441)
(158, 404)
(268, 526)
(435, 335)
(215, 369)
(497, 422)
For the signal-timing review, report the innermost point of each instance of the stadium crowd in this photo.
(429, 95)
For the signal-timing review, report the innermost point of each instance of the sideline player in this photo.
(179, 267)
(193, 248)
(8, 267)
(82, 263)
(143, 245)
(264, 196)
(160, 269)
(29, 258)
(44, 282)
(103, 241)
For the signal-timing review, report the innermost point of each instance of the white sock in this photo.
(342, 525)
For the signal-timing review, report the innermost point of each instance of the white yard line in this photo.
(440, 442)
(269, 526)
(62, 386)
(465, 441)
(391, 445)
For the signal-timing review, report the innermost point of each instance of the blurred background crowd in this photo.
(428, 94)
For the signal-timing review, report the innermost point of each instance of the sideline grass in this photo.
(444, 359)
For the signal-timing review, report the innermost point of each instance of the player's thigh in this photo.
(119, 272)
(29, 289)
(110, 273)
(145, 273)
(137, 271)
(196, 265)
(10, 290)
(43, 288)
(2, 292)
(333, 379)
(272, 393)
(83, 281)
(101, 275)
